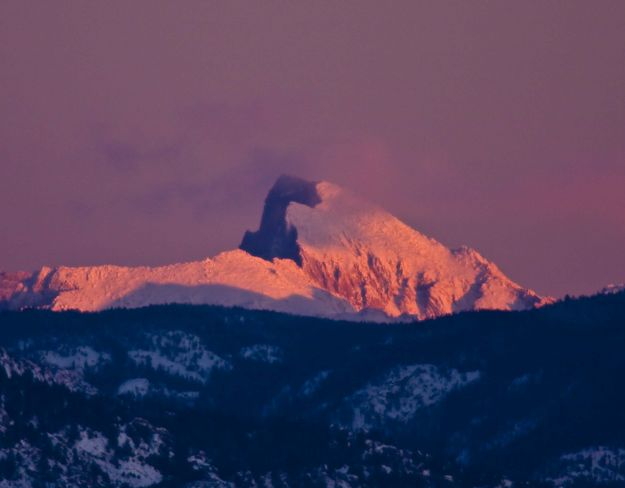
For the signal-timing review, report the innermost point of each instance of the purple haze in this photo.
(150, 132)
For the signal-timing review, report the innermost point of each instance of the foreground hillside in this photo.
(201, 396)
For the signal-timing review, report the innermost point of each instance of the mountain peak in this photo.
(365, 255)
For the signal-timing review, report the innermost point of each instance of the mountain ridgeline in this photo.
(204, 396)
(319, 251)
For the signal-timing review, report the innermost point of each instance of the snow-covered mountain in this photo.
(319, 251)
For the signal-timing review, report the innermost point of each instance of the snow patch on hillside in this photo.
(26, 457)
(70, 379)
(598, 464)
(313, 384)
(80, 358)
(76, 458)
(133, 471)
(265, 353)
(402, 392)
(179, 354)
(137, 387)
(4, 417)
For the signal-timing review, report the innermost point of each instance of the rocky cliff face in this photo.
(319, 251)
(275, 238)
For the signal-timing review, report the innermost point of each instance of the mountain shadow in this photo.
(230, 296)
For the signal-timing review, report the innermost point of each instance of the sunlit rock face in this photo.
(319, 251)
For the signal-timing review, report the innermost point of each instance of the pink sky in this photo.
(149, 132)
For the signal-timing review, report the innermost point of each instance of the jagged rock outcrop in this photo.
(319, 251)
(275, 238)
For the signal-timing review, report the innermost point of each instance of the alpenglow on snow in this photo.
(319, 251)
